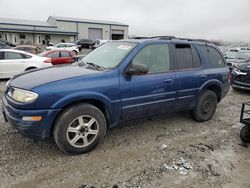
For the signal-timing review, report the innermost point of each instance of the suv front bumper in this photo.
(31, 129)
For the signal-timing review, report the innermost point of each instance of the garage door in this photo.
(117, 34)
(95, 34)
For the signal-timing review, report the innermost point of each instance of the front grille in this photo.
(243, 78)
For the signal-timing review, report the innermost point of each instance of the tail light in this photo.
(229, 76)
(47, 61)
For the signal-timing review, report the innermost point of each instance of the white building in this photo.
(58, 29)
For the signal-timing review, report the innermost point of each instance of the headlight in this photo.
(22, 96)
(238, 72)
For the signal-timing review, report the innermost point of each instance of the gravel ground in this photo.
(166, 151)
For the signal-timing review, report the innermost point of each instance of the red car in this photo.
(59, 56)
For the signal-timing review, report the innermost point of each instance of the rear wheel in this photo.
(245, 133)
(79, 129)
(206, 106)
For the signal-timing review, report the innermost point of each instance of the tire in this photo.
(206, 106)
(79, 129)
(245, 134)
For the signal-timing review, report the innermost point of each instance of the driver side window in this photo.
(155, 56)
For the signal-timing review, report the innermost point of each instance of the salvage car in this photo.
(235, 57)
(85, 43)
(14, 62)
(240, 78)
(118, 81)
(59, 57)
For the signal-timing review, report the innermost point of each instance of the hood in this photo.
(244, 66)
(235, 60)
(37, 77)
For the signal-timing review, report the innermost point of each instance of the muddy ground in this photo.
(131, 155)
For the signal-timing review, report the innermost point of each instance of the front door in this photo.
(151, 93)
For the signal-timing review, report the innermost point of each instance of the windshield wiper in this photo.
(97, 67)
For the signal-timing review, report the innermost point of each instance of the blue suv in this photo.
(119, 81)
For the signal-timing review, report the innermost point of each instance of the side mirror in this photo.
(136, 69)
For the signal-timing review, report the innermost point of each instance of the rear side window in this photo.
(213, 56)
(25, 56)
(65, 54)
(155, 56)
(13, 55)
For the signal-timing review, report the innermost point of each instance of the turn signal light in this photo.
(32, 118)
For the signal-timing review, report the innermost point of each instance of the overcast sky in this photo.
(210, 19)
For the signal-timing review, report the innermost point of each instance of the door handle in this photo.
(168, 80)
(203, 76)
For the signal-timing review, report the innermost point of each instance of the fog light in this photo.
(32, 118)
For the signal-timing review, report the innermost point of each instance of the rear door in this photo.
(12, 63)
(65, 57)
(190, 74)
(151, 93)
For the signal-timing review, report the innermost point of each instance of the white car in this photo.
(13, 62)
(65, 46)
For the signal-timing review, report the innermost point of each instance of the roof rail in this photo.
(141, 37)
(163, 37)
(195, 40)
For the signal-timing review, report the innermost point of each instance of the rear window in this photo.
(213, 56)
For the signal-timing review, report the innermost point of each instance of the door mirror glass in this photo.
(136, 69)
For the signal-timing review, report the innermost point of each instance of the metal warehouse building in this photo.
(59, 29)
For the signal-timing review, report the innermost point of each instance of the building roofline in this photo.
(78, 20)
(28, 25)
(39, 31)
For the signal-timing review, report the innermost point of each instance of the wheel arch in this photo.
(214, 86)
(98, 103)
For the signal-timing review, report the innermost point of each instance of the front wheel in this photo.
(79, 129)
(206, 106)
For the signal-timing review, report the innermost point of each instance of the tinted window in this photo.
(25, 56)
(53, 55)
(213, 56)
(196, 58)
(65, 54)
(1, 55)
(156, 57)
(184, 58)
(13, 55)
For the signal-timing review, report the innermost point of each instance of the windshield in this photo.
(238, 55)
(110, 54)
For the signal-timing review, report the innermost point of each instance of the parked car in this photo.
(85, 43)
(235, 57)
(4, 46)
(13, 62)
(240, 77)
(119, 81)
(30, 49)
(59, 56)
(99, 43)
(7, 43)
(65, 46)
